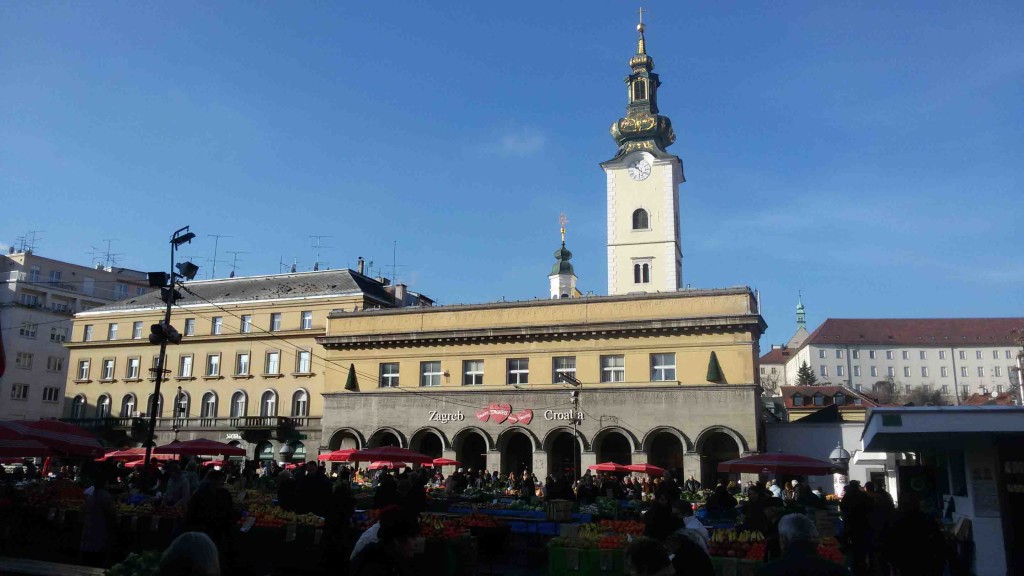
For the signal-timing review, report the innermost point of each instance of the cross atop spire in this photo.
(641, 47)
(562, 221)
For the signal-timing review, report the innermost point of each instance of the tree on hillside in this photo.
(922, 397)
(805, 376)
(886, 392)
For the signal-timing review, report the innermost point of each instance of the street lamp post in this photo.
(163, 333)
(574, 395)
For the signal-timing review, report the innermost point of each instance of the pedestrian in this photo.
(692, 485)
(915, 545)
(775, 489)
(647, 557)
(687, 555)
(856, 510)
(799, 540)
(99, 518)
(659, 521)
(191, 554)
(391, 553)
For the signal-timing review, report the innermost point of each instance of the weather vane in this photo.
(562, 221)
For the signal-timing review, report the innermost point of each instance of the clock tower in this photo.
(643, 189)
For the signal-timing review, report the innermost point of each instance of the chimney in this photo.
(400, 294)
(359, 265)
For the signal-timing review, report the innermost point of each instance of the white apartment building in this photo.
(38, 297)
(956, 356)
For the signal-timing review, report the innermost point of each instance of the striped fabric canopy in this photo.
(56, 437)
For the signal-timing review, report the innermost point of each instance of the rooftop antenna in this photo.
(317, 247)
(110, 258)
(234, 261)
(394, 263)
(280, 264)
(27, 243)
(213, 263)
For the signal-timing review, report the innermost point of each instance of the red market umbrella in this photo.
(777, 463)
(649, 469)
(608, 467)
(445, 462)
(58, 437)
(390, 454)
(200, 447)
(214, 462)
(379, 465)
(14, 445)
(337, 455)
(126, 454)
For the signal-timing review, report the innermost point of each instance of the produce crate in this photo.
(559, 510)
(725, 566)
(569, 561)
(607, 562)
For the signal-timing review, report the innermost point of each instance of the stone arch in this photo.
(634, 442)
(461, 435)
(549, 438)
(653, 433)
(417, 438)
(340, 434)
(618, 438)
(741, 442)
(511, 431)
(375, 439)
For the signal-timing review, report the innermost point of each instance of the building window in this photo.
(134, 365)
(890, 372)
(87, 333)
(663, 367)
(275, 321)
(28, 330)
(389, 375)
(641, 273)
(856, 370)
(246, 324)
(981, 371)
(184, 404)
(942, 354)
(907, 388)
(19, 392)
(307, 320)
(995, 354)
(430, 373)
(303, 362)
(774, 369)
(300, 404)
(997, 371)
(136, 330)
(856, 354)
(822, 354)
(268, 404)
(54, 363)
(217, 325)
(944, 372)
(238, 402)
(185, 367)
(120, 291)
(242, 364)
(874, 371)
(518, 370)
(840, 370)
(906, 354)
(999, 388)
(763, 370)
(945, 389)
(78, 407)
(926, 388)
(924, 371)
(51, 394)
(562, 365)
(155, 404)
(112, 331)
(103, 407)
(613, 368)
(273, 363)
(963, 371)
(140, 290)
(55, 276)
(888, 355)
(641, 220)
(472, 372)
(108, 369)
(58, 334)
(209, 408)
(965, 390)
(1008, 355)
(839, 399)
(798, 400)
(28, 299)
(977, 354)
(33, 274)
(819, 399)
(857, 387)
(823, 371)
(906, 371)
(923, 354)
(83, 369)
(23, 360)
(963, 355)
(839, 354)
(190, 326)
(871, 354)
(213, 364)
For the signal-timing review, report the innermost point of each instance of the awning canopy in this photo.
(917, 428)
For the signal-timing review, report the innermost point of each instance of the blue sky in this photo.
(868, 155)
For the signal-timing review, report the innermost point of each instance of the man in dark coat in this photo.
(799, 539)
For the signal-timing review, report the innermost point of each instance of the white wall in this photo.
(818, 441)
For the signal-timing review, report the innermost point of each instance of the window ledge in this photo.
(180, 378)
(217, 377)
(107, 380)
(303, 374)
(640, 229)
(241, 376)
(278, 375)
(130, 380)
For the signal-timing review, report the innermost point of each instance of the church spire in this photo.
(562, 279)
(642, 128)
(801, 321)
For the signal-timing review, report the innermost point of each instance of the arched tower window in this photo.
(639, 89)
(640, 219)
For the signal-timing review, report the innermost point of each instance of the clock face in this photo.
(639, 170)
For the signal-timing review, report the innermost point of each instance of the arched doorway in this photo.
(298, 453)
(264, 451)
(428, 443)
(563, 455)
(516, 453)
(666, 451)
(614, 447)
(343, 440)
(716, 448)
(471, 450)
(384, 437)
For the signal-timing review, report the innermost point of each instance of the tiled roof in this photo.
(777, 356)
(829, 393)
(1001, 399)
(253, 288)
(958, 332)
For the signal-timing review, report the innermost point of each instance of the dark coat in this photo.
(802, 562)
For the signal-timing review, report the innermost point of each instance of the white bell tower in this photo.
(562, 279)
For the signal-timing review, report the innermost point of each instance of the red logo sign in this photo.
(524, 417)
(500, 412)
(483, 415)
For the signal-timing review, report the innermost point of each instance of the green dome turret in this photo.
(562, 266)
